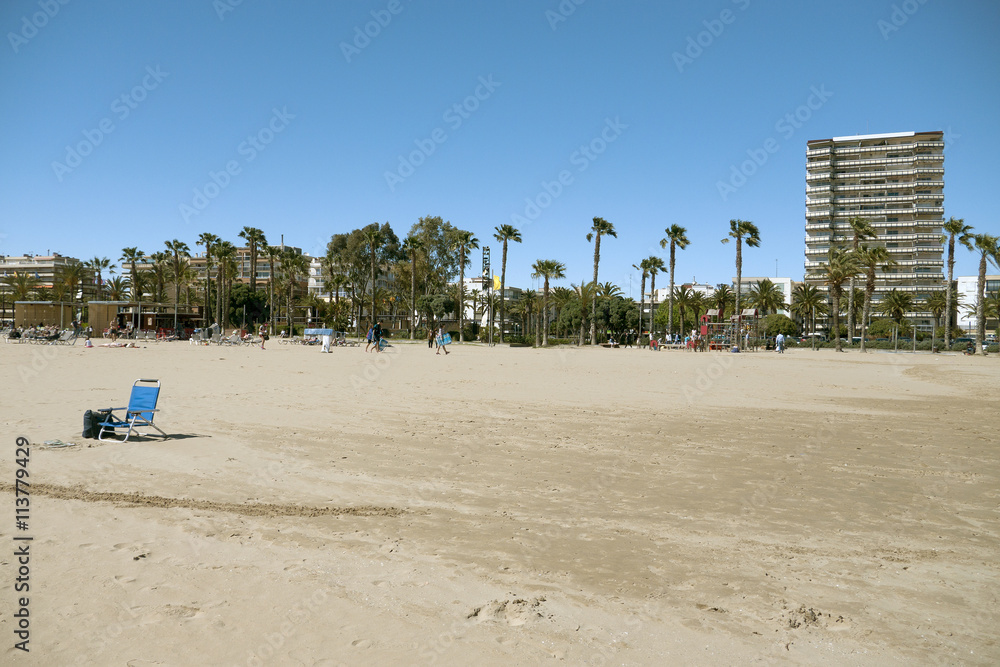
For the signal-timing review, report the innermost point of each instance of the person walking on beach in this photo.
(377, 336)
(262, 332)
(430, 335)
(779, 343)
(440, 341)
(369, 337)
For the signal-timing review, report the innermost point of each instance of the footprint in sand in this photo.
(361, 643)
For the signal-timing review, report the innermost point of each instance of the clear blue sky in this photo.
(331, 113)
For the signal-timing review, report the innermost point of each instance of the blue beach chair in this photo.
(141, 406)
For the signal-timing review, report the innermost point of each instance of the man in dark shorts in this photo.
(377, 336)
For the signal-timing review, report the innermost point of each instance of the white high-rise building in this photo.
(896, 182)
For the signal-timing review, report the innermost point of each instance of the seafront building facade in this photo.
(896, 182)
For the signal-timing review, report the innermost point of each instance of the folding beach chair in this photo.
(141, 406)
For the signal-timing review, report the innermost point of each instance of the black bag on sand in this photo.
(92, 420)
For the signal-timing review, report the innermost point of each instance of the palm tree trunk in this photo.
(739, 281)
(864, 319)
(503, 285)
(413, 297)
(461, 295)
(545, 314)
(670, 313)
(642, 303)
(947, 310)
(593, 307)
(836, 318)
(980, 304)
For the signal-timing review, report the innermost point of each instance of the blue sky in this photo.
(131, 123)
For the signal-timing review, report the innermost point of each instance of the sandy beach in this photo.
(506, 506)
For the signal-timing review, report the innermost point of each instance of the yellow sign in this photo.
(496, 282)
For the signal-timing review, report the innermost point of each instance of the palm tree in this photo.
(22, 285)
(178, 249)
(676, 238)
(807, 300)
(273, 254)
(954, 228)
(991, 308)
(740, 230)
(684, 298)
(462, 241)
(561, 296)
(529, 299)
(411, 246)
(132, 256)
(840, 266)
(504, 233)
(869, 260)
(293, 267)
(655, 266)
(988, 247)
(896, 304)
(225, 255)
(255, 240)
(936, 304)
(117, 288)
(208, 240)
(97, 265)
(584, 294)
(766, 296)
(642, 267)
(861, 229)
(722, 298)
(601, 227)
(547, 269)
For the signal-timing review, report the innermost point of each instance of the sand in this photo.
(506, 506)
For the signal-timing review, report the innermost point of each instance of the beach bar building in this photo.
(141, 316)
(46, 313)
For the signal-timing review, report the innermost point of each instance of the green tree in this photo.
(869, 261)
(684, 299)
(273, 254)
(776, 323)
(954, 229)
(723, 299)
(936, 303)
(255, 241)
(677, 239)
(504, 234)
(98, 265)
(766, 296)
(117, 288)
(225, 256)
(807, 300)
(412, 245)
(895, 304)
(177, 249)
(643, 268)
(742, 230)
(132, 256)
(840, 266)
(547, 269)
(462, 241)
(861, 229)
(208, 240)
(656, 266)
(601, 227)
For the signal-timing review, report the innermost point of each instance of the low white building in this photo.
(746, 282)
(966, 287)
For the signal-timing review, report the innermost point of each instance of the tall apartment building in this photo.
(896, 182)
